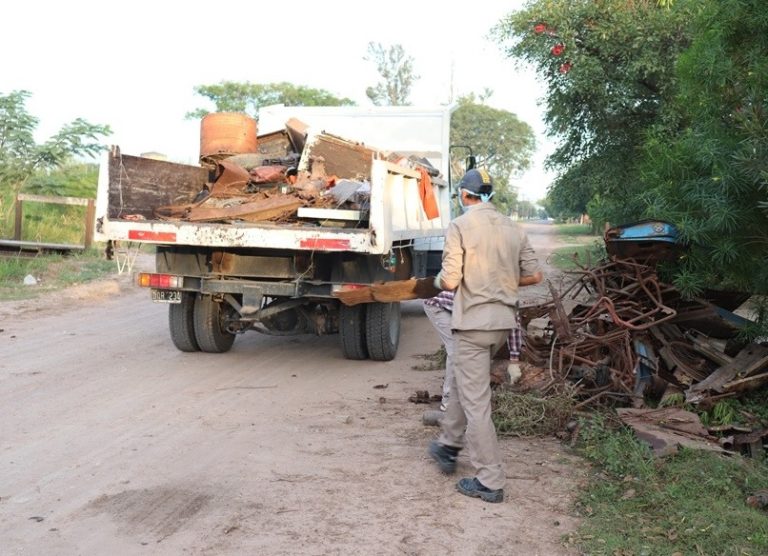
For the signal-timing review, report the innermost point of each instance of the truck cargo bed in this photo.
(135, 187)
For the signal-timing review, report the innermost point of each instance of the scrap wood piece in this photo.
(667, 428)
(254, 211)
(389, 292)
(355, 296)
(744, 384)
(754, 440)
(558, 317)
(402, 290)
(748, 361)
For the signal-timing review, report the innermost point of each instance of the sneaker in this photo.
(445, 456)
(474, 488)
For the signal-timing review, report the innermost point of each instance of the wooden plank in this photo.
(38, 246)
(744, 384)
(77, 201)
(751, 359)
(18, 219)
(90, 217)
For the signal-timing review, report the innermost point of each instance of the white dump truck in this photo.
(273, 264)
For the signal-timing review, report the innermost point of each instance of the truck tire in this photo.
(181, 321)
(382, 330)
(352, 332)
(211, 335)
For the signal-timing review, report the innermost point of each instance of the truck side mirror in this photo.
(471, 162)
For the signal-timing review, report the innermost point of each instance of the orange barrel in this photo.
(227, 133)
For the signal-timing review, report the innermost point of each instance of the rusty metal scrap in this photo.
(286, 174)
(629, 338)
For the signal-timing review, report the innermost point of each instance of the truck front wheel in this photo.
(382, 330)
(181, 321)
(210, 331)
(352, 331)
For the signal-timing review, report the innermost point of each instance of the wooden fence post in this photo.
(90, 215)
(18, 220)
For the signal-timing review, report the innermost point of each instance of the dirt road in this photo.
(112, 442)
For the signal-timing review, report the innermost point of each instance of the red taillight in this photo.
(159, 281)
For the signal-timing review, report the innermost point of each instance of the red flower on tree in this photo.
(566, 67)
(558, 49)
(539, 28)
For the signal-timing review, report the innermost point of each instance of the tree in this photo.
(396, 71)
(709, 173)
(501, 142)
(609, 69)
(21, 157)
(71, 180)
(233, 96)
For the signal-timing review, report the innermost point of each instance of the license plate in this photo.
(166, 296)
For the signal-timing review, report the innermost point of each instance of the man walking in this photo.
(485, 258)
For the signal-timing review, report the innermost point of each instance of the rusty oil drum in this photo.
(225, 133)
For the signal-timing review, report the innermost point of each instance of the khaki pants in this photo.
(469, 406)
(441, 320)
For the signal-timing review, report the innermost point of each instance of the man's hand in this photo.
(531, 280)
(425, 288)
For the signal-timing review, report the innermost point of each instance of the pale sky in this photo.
(133, 65)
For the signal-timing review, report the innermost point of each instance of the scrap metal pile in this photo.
(294, 177)
(618, 335)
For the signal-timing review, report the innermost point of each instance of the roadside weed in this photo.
(691, 503)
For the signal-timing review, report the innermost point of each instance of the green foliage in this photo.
(233, 96)
(21, 156)
(580, 256)
(397, 75)
(27, 165)
(614, 447)
(72, 180)
(709, 172)
(609, 68)
(749, 410)
(502, 143)
(570, 230)
(691, 503)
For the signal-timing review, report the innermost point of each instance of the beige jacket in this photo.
(484, 256)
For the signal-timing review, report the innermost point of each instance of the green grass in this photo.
(47, 223)
(577, 256)
(52, 271)
(690, 503)
(574, 230)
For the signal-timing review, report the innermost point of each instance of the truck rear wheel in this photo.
(181, 321)
(211, 334)
(382, 330)
(352, 331)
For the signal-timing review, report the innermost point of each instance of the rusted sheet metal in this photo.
(138, 185)
(342, 158)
